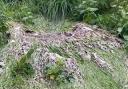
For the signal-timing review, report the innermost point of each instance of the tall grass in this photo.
(55, 9)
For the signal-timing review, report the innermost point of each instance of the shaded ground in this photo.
(99, 61)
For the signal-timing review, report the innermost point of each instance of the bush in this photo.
(24, 14)
(123, 32)
(18, 10)
(85, 8)
(107, 14)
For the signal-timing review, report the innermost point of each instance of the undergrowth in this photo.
(111, 15)
(18, 72)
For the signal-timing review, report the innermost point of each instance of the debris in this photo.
(1, 71)
(95, 39)
(100, 62)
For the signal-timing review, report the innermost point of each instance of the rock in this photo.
(2, 64)
(70, 64)
(80, 30)
(45, 58)
(126, 62)
(95, 27)
(12, 41)
(85, 55)
(81, 27)
(1, 71)
(68, 34)
(126, 87)
(100, 61)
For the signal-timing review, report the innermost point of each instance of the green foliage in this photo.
(56, 72)
(59, 50)
(85, 8)
(23, 67)
(25, 15)
(3, 29)
(123, 32)
(107, 14)
(3, 39)
(3, 25)
(17, 72)
(103, 5)
(116, 17)
(55, 9)
(126, 46)
(22, 14)
(107, 21)
(18, 10)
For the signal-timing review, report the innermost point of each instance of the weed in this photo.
(23, 67)
(56, 71)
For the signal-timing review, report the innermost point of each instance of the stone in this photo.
(100, 61)
(1, 71)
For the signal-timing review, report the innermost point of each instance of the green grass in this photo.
(94, 77)
(117, 60)
(97, 78)
(42, 24)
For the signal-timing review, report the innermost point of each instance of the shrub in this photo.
(24, 14)
(103, 5)
(108, 22)
(126, 46)
(123, 32)
(107, 14)
(88, 9)
(85, 8)
(18, 10)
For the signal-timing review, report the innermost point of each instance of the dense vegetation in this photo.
(111, 15)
